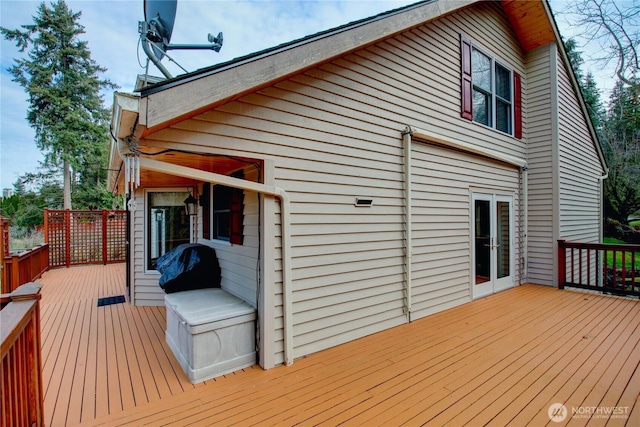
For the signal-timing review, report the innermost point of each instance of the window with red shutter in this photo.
(227, 215)
(491, 92)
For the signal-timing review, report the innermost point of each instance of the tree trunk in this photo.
(67, 185)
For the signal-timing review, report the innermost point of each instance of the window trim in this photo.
(493, 93)
(147, 225)
(468, 89)
(236, 215)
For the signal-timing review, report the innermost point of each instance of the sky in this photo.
(111, 30)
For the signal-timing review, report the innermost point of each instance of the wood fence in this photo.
(21, 393)
(85, 237)
(21, 267)
(608, 268)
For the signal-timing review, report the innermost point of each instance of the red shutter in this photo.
(236, 227)
(205, 202)
(517, 104)
(466, 86)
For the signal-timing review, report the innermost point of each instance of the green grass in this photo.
(611, 240)
(618, 262)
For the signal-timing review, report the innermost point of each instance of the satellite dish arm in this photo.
(216, 44)
(152, 56)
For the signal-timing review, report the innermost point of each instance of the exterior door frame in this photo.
(489, 246)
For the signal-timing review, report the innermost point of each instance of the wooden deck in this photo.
(502, 360)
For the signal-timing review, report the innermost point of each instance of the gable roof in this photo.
(188, 95)
(174, 100)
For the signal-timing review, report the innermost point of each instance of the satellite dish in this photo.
(156, 29)
(160, 16)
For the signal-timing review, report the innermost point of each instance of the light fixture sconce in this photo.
(191, 203)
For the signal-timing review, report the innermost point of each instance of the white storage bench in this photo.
(210, 332)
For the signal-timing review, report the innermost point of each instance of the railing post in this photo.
(20, 348)
(67, 238)
(104, 237)
(46, 226)
(14, 281)
(562, 263)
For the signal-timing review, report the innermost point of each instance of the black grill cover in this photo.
(189, 266)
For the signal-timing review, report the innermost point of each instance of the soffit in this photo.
(531, 22)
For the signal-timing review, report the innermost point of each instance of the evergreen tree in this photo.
(63, 84)
(588, 86)
(621, 145)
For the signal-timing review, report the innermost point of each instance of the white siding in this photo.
(334, 133)
(442, 183)
(541, 145)
(239, 263)
(579, 170)
(145, 288)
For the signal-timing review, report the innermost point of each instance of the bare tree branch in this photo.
(615, 25)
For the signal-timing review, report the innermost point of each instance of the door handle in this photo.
(492, 246)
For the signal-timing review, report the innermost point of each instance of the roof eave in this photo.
(124, 119)
(179, 99)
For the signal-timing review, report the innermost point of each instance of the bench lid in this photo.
(203, 306)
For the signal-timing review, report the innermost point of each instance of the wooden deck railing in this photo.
(24, 267)
(21, 393)
(85, 237)
(609, 268)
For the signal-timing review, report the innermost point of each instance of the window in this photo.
(225, 213)
(221, 213)
(167, 224)
(490, 92)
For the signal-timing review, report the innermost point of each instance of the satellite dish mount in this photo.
(155, 33)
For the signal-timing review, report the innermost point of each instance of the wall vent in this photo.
(364, 202)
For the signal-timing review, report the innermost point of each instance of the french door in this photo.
(493, 255)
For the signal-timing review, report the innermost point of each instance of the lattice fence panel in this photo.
(85, 237)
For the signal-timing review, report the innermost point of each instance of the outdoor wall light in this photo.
(191, 204)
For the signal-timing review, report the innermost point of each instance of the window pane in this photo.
(503, 116)
(503, 238)
(168, 224)
(481, 70)
(221, 212)
(503, 83)
(481, 108)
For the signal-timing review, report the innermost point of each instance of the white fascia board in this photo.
(124, 116)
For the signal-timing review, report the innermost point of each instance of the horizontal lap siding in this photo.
(442, 183)
(146, 290)
(239, 263)
(334, 133)
(540, 162)
(579, 169)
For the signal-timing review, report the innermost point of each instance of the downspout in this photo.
(524, 171)
(279, 193)
(408, 249)
(601, 179)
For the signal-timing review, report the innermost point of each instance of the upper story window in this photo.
(490, 92)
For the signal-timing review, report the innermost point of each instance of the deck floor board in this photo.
(498, 361)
